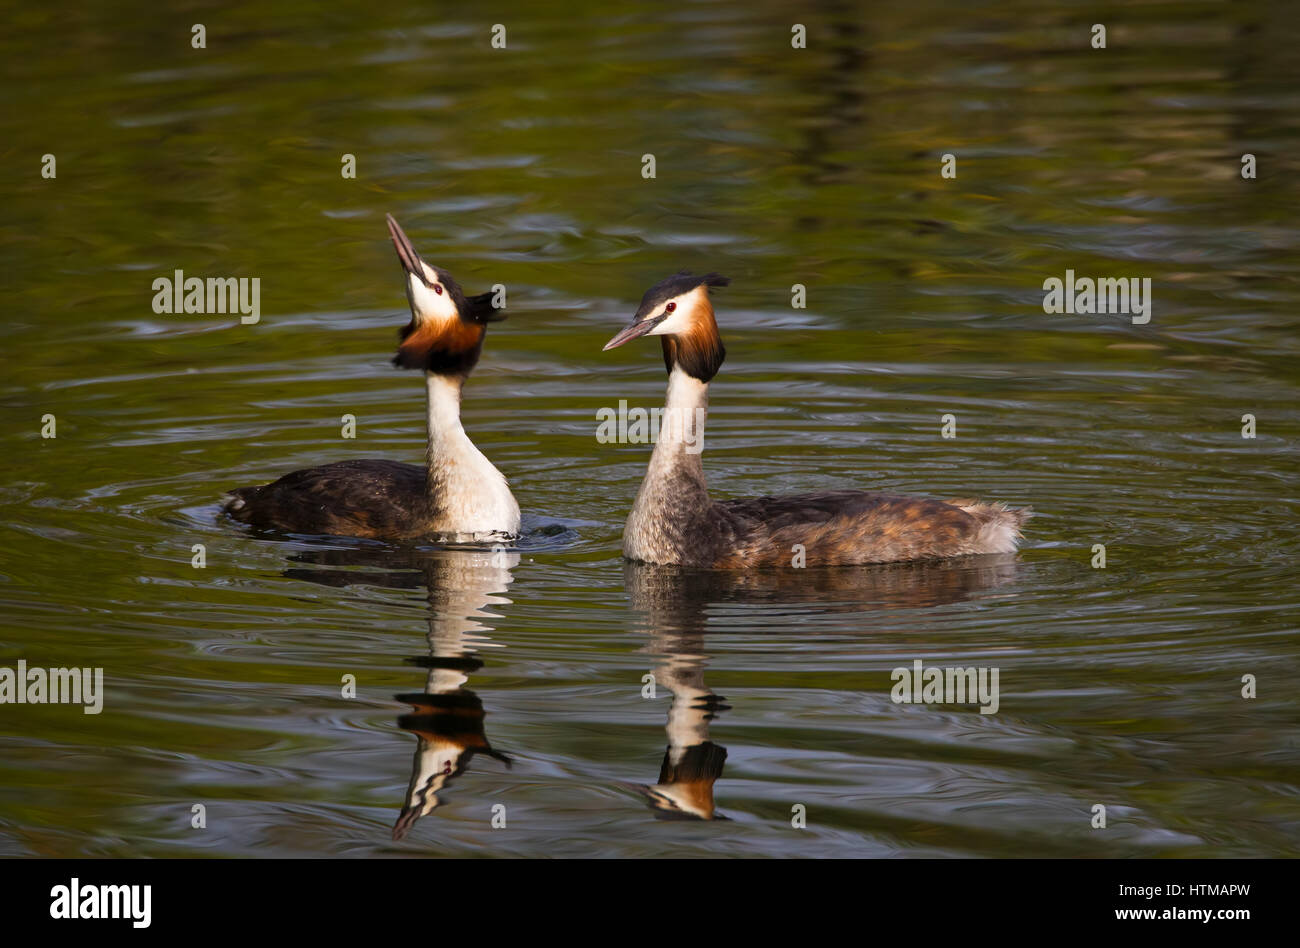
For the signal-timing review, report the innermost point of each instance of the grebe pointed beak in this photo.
(634, 331)
(411, 261)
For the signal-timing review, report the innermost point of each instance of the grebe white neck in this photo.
(470, 498)
(674, 489)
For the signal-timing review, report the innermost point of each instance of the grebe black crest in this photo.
(674, 521)
(457, 494)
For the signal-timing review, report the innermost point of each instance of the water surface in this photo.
(516, 679)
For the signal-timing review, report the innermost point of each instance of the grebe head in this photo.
(445, 334)
(679, 310)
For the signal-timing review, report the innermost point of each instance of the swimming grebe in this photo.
(673, 520)
(457, 495)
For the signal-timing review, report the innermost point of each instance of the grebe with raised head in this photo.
(457, 494)
(674, 521)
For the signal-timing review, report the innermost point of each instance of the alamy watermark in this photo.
(625, 425)
(84, 686)
(1100, 297)
(74, 900)
(182, 294)
(933, 685)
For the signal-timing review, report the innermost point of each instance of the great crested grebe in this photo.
(673, 520)
(457, 495)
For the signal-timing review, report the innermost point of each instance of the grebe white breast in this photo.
(674, 521)
(457, 494)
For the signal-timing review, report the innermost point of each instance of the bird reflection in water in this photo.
(447, 718)
(675, 602)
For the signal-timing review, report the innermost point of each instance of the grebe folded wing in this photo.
(362, 498)
(845, 527)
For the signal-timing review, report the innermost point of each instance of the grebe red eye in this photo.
(670, 307)
(437, 288)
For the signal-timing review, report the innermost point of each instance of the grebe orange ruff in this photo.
(674, 522)
(457, 495)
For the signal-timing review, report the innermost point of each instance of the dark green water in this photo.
(522, 166)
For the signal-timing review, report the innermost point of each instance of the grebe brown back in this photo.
(674, 521)
(457, 494)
